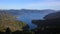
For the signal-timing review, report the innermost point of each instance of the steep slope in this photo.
(8, 21)
(52, 15)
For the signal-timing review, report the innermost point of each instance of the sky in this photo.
(30, 4)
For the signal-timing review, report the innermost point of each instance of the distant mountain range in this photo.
(27, 11)
(16, 12)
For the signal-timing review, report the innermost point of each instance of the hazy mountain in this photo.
(53, 15)
(16, 12)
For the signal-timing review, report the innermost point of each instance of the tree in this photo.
(9, 21)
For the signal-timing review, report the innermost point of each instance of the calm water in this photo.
(28, 17)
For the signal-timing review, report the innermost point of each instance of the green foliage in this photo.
(8, 21)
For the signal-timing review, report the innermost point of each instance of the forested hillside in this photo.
(9, 21)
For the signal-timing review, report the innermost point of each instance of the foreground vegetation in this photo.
(9, 25)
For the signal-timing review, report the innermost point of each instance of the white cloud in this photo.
(43, 5)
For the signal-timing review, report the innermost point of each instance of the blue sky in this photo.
(30, 4)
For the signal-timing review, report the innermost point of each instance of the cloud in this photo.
(44, 5)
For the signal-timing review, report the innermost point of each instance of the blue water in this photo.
(28, 17)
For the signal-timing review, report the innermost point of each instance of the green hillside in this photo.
(9, 21)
